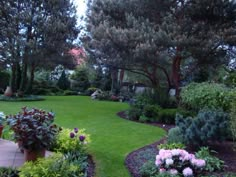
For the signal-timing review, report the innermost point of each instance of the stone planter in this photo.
(30, 155)
(1, 129)
(8, 91)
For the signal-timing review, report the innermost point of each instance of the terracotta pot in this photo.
(20, 146)
(1, 129)
(30, 155)
(8, 91)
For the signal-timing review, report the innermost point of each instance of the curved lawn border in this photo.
(230, 159)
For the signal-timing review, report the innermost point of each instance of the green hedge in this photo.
(199, 95)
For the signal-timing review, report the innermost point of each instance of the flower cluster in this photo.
(179, 161)
(71, 140)
(75, 133)
(2, 118)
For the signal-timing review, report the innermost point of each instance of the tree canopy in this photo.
(33, 34)
(159, 39)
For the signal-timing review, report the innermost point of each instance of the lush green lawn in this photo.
(112, 138)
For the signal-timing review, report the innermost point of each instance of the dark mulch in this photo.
(137, 158)
(91, 167)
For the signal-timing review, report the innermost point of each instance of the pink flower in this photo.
(175, 152)
(158, 157)
(198, 162)
(187, 172)
(162, 170)
(173, 172)
(158, 163)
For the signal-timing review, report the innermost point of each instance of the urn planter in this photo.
(1, 129)
(31, 155)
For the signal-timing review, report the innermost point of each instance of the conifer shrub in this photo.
(175, 135)
(209, 124)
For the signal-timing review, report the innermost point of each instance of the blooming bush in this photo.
(2, 118)
(71, 140)
(179, 162)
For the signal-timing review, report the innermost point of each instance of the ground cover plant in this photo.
(112, 138)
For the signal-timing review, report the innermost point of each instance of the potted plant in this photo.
(2, 121)
(35, 130)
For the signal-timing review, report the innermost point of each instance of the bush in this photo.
(179, 162)
(70, 92)
(167, 116)
(151, 111)
(8, 172)
(71, 140)
(54, 165)
(63, 82)
(143, 118)
(207, 125)
(199, 95)
(212, 163)
(134, 113)
(175, 135)
(104, 96)
(171, 146)
(148, 169)
(90, 91)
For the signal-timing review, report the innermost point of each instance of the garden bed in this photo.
(137, 158)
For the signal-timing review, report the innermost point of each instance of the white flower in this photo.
(188, 172)
(175, 152)
(173, 172)
(2, 115)
(169, 162)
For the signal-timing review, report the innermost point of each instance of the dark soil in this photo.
(224, 151)
(91, 167)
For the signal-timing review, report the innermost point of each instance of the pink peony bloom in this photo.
(175, 152)
(158, 157)
(198, 163)
(188, 172)
(158, 163)
(162, 170)
(173, 172)
(169, 162)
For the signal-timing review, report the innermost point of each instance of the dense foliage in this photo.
(200, 95)
(55, 165)
(34, 33)
(160, 39)
(209, 124)
(212, 163)
(71, 140)
(34, 128)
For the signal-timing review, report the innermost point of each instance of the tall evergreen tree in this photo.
(156, 37)
(34, 33)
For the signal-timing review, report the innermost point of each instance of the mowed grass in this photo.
(112, 138)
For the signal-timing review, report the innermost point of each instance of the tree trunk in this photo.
(18, 76)
(31, 79)
(13, 78)
(176, 74)
(24, 75)
(114, 77)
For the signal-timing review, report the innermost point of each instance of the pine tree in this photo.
(158, 38)
(63, 82)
